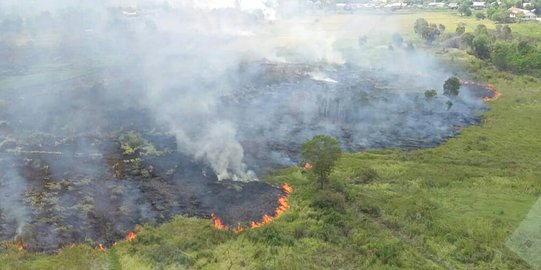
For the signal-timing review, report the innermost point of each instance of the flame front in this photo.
(496, 95)
(282, 207)
(218, 222)
(21, 246)
(101, 247)
(490, 87)
(130, 236)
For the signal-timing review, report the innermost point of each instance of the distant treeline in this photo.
(517, 54)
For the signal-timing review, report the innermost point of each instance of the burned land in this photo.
(94, 172)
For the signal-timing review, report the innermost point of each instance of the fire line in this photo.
(282, 207)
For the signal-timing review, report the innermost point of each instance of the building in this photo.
(527, 15)
(478, 5)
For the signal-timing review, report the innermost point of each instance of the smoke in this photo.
(12, 195)
(209, 91)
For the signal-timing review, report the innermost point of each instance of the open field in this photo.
(451, 207)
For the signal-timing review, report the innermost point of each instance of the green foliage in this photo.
(500, 15)
(132, 143)
(503, 32)
(518, 57)
(430, 33)
(481, 46)
(430, 94)
(331, 200)
(480, 15)
(464, 9)
(420, 25)
(365, 175)
(460, 28)
(322, 152)
(451, 87)
(481, 29)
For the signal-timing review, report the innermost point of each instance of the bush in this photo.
(365, 176)
(329, 200)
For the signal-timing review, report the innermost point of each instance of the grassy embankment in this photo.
(454, 206)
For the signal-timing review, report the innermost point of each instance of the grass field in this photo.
(451, 207)
(451, 19)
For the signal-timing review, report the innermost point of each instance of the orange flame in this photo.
(307, 166)
(21, 246)
(287, 188)
(282, 207)
(218, 222)
(130, 236)
(239, 228)
(495, 93)
(101, 247)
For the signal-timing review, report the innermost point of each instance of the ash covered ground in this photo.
(112, 166)
(110, 119)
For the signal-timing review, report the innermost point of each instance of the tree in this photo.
(464, 10)
(451, 87)
(430, 33)
(480, 15)
(321, 152)
(460, 28)
(481, 47)
(419, 25)
(430, 94)
(481, 29)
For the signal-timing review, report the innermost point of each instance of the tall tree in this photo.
(451, 87)
(321, 152)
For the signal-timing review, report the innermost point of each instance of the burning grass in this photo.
(282, 207)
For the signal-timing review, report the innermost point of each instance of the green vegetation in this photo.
(430, 94)
(451, 87)
(321, 152)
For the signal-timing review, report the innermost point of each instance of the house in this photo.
(526, 14)
(453, 5)
(436, 5)
(478, 5)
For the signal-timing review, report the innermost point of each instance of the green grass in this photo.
(454, 206)
(451, 19)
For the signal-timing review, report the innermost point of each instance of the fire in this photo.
(130, 236)
(287, 188)
(218, 222)
(282, 207)
(239, 228)
(21, 246)
(495, 93)
(101, 247)
(307, 166)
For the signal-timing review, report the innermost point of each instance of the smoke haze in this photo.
(128, 112)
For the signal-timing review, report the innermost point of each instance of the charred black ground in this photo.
(92, 172)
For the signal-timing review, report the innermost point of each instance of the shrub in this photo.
(329, 200)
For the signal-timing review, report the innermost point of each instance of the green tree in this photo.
(481, 29)
(451, 87)
(480, 15)
(322, 152)
(464, 10)
(430, 94)
(481, 47)
(430, 33)
(419, 25)
(460, 28)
